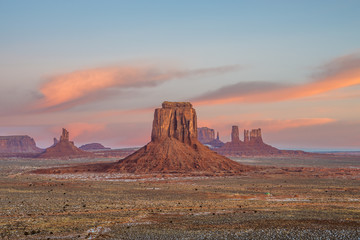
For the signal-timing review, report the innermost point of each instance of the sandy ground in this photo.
(308, 204)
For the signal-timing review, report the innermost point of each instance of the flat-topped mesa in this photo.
(18, 144)
(235, 134)
(255, 136)
(175, 120)
(206, 135)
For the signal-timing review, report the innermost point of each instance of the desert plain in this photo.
(285, 198)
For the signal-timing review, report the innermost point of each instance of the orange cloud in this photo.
(83, 86)
(339, 73)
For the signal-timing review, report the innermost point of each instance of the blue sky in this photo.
(284, 42)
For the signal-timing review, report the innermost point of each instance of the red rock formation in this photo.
(216, 143)
(64, 149)
(174, 148)
(18, 144)
(235, 134)
(93, 147)
(246, 136)
(253, 145)
(206, 135)
(175, 120)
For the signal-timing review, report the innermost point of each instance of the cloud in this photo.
(339, 73)
(71, 89)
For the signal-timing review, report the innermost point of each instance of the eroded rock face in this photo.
(255, 136)
(175, 120)
(18, 144)
(64, 136)
(64, 149)
(246, 136)
(235, 134)
(206, 135)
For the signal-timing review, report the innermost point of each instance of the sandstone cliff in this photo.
(64, 149)
(18, 144)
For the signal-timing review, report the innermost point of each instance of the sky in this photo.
(100, 68)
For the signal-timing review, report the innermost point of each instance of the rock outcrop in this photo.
(252, 145)
(64, 149)
(216, 143)
(18, 144)
(93, 147)
(206, 135)
(174, 148)
(235, 134)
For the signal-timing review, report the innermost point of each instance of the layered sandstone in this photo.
(174, 148)
(64, 148)
(18, 144)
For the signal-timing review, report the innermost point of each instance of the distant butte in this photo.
(207, 136)
(64, 148)
(21, 144)
(252, 145)
(93, 147)
(174, 148)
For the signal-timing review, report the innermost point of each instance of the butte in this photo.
(64, 149)
(174, 148)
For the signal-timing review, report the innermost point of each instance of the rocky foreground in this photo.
(287, 202)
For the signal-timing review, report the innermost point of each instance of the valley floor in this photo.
(258, 206)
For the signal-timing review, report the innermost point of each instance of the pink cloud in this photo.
(83, 86)
(339, 73)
